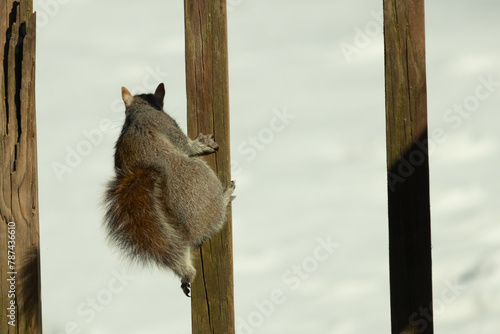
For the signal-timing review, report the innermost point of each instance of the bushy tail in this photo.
(136, 220)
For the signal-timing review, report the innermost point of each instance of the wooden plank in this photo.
(408, 167)
(18, 175)
(212, 303)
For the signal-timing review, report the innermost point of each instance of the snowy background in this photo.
(308, 149)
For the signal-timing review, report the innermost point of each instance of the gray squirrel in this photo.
(164, 199)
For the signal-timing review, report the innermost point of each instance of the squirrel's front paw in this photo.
(209, 145)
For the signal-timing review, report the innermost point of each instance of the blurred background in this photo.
(308, 155)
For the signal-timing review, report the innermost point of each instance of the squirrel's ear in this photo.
(127, 97)
(160, 94)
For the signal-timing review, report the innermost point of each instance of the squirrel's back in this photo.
(163, 199)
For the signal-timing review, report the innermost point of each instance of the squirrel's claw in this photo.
(209, 143)
(186, 287)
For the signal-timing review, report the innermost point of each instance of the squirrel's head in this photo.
(155, 100)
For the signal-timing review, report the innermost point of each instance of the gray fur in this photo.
(164, 199)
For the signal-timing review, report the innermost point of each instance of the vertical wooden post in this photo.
(212, 302)
(408, 167)
(19, 242)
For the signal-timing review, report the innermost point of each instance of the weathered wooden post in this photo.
(19, 244)
(212, 303)
(408, 167)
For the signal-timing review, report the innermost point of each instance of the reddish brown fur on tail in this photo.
(164, 199)
(135, 219)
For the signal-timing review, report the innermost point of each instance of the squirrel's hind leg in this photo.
(180, 263)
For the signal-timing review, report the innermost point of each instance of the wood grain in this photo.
(407, 167)
(207, 84)
(18, 178)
